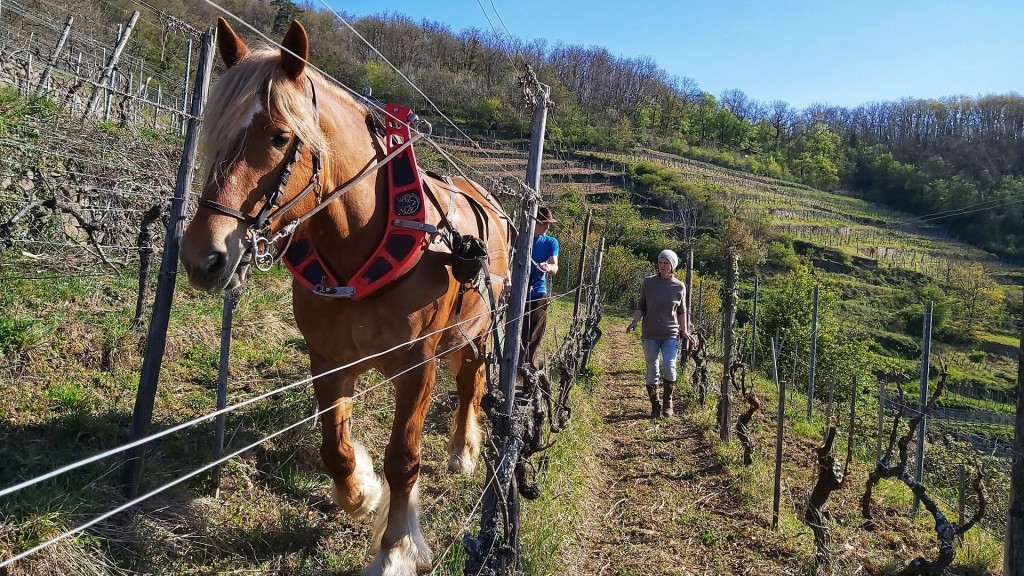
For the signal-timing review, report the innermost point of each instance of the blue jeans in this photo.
(669, 349)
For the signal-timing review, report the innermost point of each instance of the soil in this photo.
(666, 494)
(670, 498)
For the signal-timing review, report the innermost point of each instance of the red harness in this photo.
(403, 241)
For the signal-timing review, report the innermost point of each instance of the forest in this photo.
(923, 156)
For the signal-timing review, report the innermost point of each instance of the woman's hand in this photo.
(690, 338)
(631, 326)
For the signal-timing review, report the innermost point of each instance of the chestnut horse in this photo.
(257, 183)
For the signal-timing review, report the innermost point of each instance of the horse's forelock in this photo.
(258, 83)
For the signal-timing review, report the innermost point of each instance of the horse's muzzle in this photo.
(216, 271)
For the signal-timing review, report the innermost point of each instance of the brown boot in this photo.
(666, 398)
(652, 393)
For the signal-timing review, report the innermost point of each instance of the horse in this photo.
(289, 161)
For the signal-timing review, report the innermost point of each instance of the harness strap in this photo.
(218, 207)
(445, 223)
(264, 218)
(314, 184)
(458, 320)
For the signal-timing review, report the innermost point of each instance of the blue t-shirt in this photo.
(544, 247)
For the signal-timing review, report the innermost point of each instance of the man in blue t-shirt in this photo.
(545, 261)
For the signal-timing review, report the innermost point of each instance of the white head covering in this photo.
(671, 257)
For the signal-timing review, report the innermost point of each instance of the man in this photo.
(545, 261)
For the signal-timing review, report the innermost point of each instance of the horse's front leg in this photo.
(355, 487)
(399, 544)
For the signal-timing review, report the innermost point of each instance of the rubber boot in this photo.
(652, 393)
(666, 398)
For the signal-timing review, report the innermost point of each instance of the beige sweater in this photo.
(661, 301)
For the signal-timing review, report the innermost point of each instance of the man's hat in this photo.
(544, 215)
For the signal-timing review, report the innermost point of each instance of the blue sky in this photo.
(839, 52)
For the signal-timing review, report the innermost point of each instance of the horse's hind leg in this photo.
(400, 547)
(355, 487)
(464, 442)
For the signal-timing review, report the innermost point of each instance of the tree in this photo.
(488, 112)
(818, 160)
(286, 12)
(976, 297)
(621, 223)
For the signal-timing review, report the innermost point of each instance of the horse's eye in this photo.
(280, 140)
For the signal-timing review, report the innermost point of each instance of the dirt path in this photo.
(663, 498)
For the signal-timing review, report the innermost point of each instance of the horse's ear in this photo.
(295, 50)
(232, 48)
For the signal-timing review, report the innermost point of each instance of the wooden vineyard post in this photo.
(813, 357)
(781, 386)
(497, 548)
(926, 351)
(580, 269)
(156, 339)
(227, 315)
(1013, 556)
(45, 78)
(728, 322)
(108, 70)
(753, 329)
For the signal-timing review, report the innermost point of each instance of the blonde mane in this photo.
(253, 83)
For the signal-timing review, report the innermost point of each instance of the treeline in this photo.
(925, 156)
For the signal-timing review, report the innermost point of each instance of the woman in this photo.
(662, 306)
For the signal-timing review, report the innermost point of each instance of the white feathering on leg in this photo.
(423, 552)
(365, 479)
(411, 553)
(380, 523)
(464, 461)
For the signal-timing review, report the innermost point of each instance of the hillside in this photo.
(83, 203)
(670, 498)
(715, 513)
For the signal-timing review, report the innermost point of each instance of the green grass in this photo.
(548, 522)
(17, 334)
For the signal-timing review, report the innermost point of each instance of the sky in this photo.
(839, 52)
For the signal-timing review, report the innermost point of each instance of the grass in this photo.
(549, 522)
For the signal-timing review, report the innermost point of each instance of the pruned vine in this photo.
(743, 428)
(946, 531)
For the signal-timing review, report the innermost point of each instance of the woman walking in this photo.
(662, 307)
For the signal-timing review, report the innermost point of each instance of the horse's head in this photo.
(262, 146)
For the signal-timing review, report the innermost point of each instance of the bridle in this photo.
(258, 230)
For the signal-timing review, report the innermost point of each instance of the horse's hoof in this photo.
(460, 464)
(408, 558)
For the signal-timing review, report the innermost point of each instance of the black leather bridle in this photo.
(259, 225)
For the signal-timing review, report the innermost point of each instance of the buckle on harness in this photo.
(334, 291)
(422, 226)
